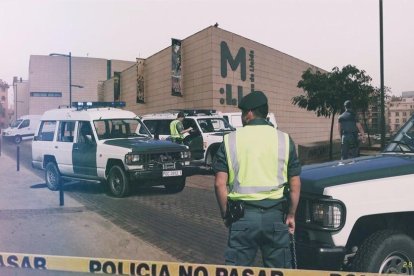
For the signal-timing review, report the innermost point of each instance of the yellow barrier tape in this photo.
(148, 268)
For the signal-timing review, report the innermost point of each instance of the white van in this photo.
(234, 118)
(22, 129)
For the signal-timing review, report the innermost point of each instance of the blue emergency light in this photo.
(86, 105)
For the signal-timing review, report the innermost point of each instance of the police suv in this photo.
(205, 137)
(97, 142)
(358, 214)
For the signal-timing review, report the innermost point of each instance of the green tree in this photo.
(325, 93)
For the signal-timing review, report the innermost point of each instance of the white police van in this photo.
(358, 214)
(22, 129)
(208, 129)
(97, 142)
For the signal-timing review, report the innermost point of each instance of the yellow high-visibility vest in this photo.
(257, 157)
(173, 130)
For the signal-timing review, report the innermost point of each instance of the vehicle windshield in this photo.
(214, 125)
(403, 141)
(15, 123)
(120, 128)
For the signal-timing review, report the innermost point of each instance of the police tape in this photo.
(147, 268)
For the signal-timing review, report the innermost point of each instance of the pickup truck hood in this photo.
(315, 178)
(144, 145)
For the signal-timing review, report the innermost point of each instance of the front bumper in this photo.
(318, 256)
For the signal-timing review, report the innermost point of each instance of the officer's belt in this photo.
(265, 204)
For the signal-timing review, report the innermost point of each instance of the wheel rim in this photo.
(51, 178)
(396, 263)
(116, 182)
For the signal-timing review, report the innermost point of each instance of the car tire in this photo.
(386, 252)
(175, 186)
(17, 139)
(118, 182)
(52, 176)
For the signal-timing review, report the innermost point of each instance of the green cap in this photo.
(253, 100)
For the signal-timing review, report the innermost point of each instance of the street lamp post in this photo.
(15, 81)
(70, 73)
(15, 96)
(382, 78)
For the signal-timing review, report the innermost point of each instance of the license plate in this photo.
(172, 173)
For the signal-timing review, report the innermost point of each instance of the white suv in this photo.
(106, 144)
(357, 214)
(206, 136)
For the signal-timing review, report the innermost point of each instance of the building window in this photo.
(397, 120)
(397, 113)
(404, 113)
(404, 120)
(45, 94)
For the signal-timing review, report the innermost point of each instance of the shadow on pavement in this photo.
(38, 186)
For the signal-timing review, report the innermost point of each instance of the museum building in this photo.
(214, 69)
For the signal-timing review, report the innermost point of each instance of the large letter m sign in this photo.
(226, 57)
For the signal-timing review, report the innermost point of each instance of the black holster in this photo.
(234, 211)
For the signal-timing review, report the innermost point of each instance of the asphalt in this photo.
(32, 222)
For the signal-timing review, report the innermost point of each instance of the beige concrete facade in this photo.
(212, 64)
(49, 79)
(21, 101)
(399, 111)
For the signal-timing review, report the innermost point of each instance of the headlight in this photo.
(185, 155)
(320, 213)
(328, 214)
(132, 159)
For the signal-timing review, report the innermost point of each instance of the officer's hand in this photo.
(290, 222)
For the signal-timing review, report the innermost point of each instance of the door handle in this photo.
(56, 147)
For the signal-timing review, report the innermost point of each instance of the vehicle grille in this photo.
(162, 160)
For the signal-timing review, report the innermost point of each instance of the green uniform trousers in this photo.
(262, 229)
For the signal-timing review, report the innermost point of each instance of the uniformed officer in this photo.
(252, 168)
(177, 130)
(348, 127)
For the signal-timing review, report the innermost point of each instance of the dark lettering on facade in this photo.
(251, 70)
(226, 57)
(238, 62)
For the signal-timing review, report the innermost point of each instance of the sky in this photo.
(325, 33)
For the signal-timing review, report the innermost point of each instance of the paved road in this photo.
(186, 225)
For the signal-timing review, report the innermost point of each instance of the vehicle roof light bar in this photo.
(194, 112)
(86, 105)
